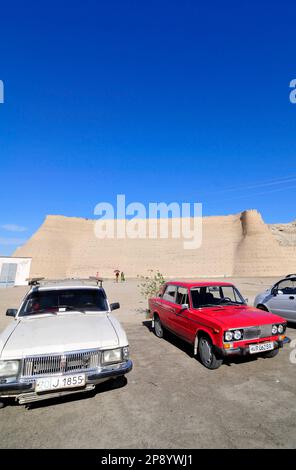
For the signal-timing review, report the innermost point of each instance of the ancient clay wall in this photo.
(240, 245)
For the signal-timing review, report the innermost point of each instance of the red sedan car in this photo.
(216, 320)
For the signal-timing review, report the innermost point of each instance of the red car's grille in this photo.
(255, 332)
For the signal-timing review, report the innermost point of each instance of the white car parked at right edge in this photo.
(280, 299)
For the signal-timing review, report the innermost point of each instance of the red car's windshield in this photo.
(208, 296)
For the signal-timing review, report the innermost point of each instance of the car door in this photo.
(283, 302)
(180, 319)
(167, 304)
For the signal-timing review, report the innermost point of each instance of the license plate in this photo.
(56, 383)
(257, 348)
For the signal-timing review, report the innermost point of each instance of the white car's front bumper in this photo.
(23, 390)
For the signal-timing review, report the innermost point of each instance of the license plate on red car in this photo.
(262, 347)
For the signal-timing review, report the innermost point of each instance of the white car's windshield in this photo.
(64, 299)
(209, 296)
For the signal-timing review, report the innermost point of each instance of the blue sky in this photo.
(159, 100)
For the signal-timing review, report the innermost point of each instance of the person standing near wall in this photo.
(117, 272)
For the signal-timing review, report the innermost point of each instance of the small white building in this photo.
(14, 271)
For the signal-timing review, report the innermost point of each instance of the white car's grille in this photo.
(255, 332)
(61, 363)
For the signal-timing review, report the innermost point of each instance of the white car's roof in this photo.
(60, 287)
(287, 278)
(68, 284)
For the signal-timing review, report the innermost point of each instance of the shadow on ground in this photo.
(104, 387)
(188, 348)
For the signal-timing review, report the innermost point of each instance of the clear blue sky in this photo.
(159, 100)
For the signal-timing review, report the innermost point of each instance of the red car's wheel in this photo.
(207, 354)
(158, 329)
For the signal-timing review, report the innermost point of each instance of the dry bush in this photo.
(150, 285)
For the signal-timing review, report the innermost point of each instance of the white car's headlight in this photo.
(112, 356)
(9, 368)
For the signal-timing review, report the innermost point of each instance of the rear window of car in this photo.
(170, 293)
(64, 299)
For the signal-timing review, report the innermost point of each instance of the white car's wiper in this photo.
(70, 308)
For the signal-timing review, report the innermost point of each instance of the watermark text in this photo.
(159, 221)
(293, 92)
(1, 92)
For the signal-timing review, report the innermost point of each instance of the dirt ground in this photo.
(169, 400)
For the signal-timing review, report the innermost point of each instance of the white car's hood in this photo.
(60, 333)
(262, 297)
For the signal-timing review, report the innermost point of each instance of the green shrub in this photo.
(150, 285)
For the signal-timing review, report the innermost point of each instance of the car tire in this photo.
(207, 354)
(271, 354)
(118, 382)
(158, 328)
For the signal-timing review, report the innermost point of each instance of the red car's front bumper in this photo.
(242, 348)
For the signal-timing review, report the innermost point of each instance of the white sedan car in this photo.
(280, 299)
(63, 340)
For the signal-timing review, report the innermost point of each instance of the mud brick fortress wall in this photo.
(234, 245)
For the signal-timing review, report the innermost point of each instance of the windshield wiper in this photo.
(208, 305)
(70, 308)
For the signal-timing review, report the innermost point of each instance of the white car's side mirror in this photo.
(11, 312)
(280, 292)
(114, 306)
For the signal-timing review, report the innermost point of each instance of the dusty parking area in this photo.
(170, 400)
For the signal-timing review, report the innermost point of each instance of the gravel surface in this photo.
(169, 399)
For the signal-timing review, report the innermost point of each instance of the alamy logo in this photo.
(293, 92)
(1, 92)
(161, 221)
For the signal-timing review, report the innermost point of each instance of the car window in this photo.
(288, 286)
(196, 297)
(208, 296)
(230, 293)
(68, 299)
(170, 293)
(214, 291)
(182, 296)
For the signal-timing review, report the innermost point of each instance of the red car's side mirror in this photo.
(184, 307)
